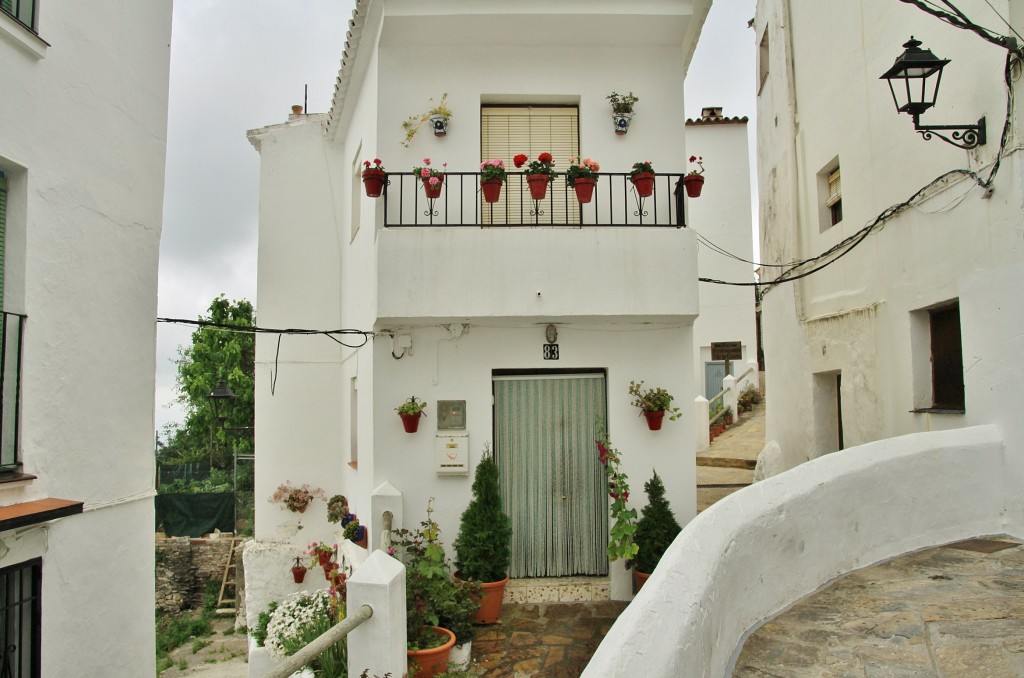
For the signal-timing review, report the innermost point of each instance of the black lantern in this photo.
(914, 82)
(220, 392)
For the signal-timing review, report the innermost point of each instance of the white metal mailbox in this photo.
(452, 453)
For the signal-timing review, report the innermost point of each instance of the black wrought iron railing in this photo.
(11, 334)
(615, 203)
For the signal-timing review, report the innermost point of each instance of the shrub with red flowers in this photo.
(699, 161)
(376, 164)
(642, 167)
(430, 175)
(581, 169)
(544, 164)
(620, 539)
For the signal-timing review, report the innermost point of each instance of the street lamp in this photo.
(221, 392)
(914, 83)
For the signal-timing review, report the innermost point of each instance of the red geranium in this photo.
(519, 160)
(544, 157)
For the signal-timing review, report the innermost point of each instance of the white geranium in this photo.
(294, 616)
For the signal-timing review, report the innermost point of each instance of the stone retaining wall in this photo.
(184, 566)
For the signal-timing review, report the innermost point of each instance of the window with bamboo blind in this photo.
(506, 131)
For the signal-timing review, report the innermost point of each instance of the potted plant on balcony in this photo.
(410, 411)
(642, 176)
(374, 178)
(653, 403)
(693, 181)
(482, 549)
(492, 176)
(622, 110)
(582, 176)
(655, 530)
(438, 116)
(432, 178)
(430, 594)
(538, 173)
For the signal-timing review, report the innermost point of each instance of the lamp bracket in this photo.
(962, 136)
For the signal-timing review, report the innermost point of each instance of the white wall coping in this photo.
(762, 549)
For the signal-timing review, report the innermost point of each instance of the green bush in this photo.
(657, 527)
(482, 548)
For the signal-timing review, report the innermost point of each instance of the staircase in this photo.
(729, 465)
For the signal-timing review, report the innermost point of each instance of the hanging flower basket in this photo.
(644, 183)
(433, 190)
(373, 182)
(584, 187)
(622, 121)
(439, 123)
(491, 189)
(694, 183)
(538, 185)
(411, 422)
(298, 571)
(654, 419)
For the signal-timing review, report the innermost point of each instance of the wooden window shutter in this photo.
(835, 189)
(506, 131)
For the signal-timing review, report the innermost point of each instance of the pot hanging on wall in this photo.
(439, 124)
(654, 419)
(694, 183)
(373, 182)
(411, 422)
(622, 121)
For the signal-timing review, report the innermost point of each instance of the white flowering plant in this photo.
(300, 619)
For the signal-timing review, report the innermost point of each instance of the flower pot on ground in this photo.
(693, 183)
(482, 547)
(651, 401)
(374, 178)
(432, 661)
(639, 579)
(410, 411)
(656, 529)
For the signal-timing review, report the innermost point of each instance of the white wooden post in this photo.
(701, 415)
(731, 396)
(378, 644)
(385, 498)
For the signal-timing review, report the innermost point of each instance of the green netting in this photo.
(193, 515)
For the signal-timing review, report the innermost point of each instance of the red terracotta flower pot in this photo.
(373, 182)
(693, 183)
(433, 191)
(654, 419)
(584, 187)
(639, 579)
(493, 595)
(324, 558)
(411, 422)
(644, 182)
(491, 189)
(299, 573)
(538, 185)
(429, 663)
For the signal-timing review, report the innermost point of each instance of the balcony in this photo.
(619, 257)
(615, 203)
(10, 390)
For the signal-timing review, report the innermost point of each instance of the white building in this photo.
(82, 138)
(456, 309)
(905, 350)
(722, 217)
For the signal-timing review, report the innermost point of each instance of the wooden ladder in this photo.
(226, 606)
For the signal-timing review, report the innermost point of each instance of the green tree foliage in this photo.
(485, 532)
(213, 356)
(657, 527)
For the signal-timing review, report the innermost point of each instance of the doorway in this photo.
(553, 486)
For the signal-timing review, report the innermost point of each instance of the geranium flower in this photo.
(544, 157)
(424, 173)
(426, 161)
(376, 161)
(519, 160)
(433, 181)
(367, 162)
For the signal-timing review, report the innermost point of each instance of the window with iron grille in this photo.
(23, 11)
(21, 604)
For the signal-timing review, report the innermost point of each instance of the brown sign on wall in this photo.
(727, 350)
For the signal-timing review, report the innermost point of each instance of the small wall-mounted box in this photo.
(452, 454)
(451, 415)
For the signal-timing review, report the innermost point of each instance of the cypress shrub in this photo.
(656, 528)
(482, 549)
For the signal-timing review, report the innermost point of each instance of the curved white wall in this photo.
(762, 549)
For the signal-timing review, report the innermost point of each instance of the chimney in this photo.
(711, 113)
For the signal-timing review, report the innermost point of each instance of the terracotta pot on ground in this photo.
(538, 185)
(373, 182)
(654, 419)
(694, 183)
(644, 182)
(491, 189)
(639, 579)
(493, 595)
(411, 422)
(584, 187)
(433, 191)
(429, 663)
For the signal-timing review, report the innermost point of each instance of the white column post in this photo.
(701, 414)
(378, 644)
(385, 498)
(731, 396)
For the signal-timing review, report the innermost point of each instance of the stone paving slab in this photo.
(941, 613)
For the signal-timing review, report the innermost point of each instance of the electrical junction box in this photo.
(452, 454)
(451, 415)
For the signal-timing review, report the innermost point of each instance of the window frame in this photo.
(14, 588)
(830, 195)
(14, 9)
(938, 380)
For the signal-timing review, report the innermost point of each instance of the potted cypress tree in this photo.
(482, 549)
(655, 530)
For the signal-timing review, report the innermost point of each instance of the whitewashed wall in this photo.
(82, 138)
(722, 215)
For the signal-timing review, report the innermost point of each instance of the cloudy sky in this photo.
(240, 64)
